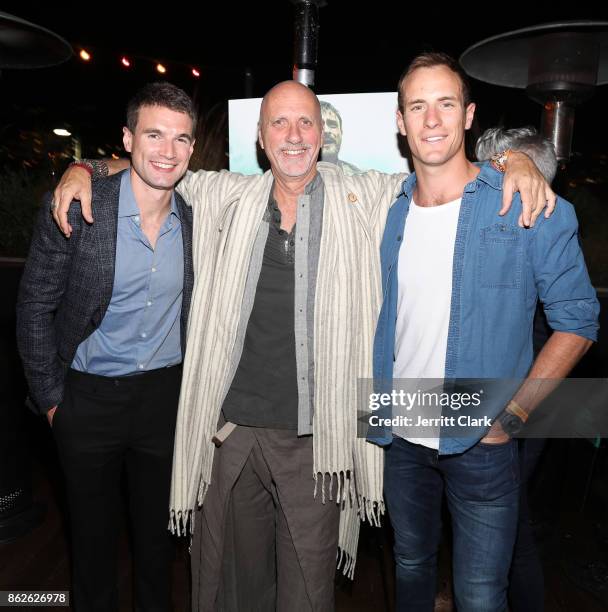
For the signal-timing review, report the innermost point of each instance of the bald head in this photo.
(290, 132)
(289, 90)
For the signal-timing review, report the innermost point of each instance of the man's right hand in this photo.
(75, 184)
(51, 413)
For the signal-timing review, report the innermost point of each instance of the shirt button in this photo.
(148, 303)
(141, 366)
(153, 269)
(136, 218)
(144, 335)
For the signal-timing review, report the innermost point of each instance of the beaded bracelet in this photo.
(83, 165)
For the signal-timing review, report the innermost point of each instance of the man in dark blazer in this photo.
(101, 322)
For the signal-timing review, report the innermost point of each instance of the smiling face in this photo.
(290, 131)
(160, 146)
(434, 117)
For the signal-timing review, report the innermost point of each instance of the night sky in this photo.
(362, 48)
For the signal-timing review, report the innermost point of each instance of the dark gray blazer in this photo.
(67, 286)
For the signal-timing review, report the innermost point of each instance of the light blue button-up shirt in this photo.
(500, 271)
(141, 328)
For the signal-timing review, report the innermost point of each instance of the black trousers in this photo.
(526, 578)
(103, 426)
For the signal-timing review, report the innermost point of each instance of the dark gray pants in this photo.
(262, 541)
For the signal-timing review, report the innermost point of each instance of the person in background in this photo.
(332, 138)
(526, 581)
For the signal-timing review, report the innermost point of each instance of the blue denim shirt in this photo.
(499, 272)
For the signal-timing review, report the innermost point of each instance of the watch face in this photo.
(511, 424)
(499, 160)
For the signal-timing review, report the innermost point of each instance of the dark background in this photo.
(363, 47)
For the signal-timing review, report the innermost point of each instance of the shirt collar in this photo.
(275, 215)
(487, 174)
(127, 205)
(407, 187)
(313, 185)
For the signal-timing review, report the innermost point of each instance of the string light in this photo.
(126, 61)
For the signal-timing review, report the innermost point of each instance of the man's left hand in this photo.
(522, 175)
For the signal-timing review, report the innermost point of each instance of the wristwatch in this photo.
(499, 160)
(510, 423)
(512, 418)
(97, 168)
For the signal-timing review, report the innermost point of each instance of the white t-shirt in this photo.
(423, 307)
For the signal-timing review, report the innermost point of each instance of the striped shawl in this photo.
(228, 209)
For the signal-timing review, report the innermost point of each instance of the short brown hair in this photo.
(160, 94)
(430, 60)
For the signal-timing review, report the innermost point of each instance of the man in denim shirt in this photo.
(460, 289)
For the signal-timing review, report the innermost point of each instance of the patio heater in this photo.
(559, 64)
(306, 40)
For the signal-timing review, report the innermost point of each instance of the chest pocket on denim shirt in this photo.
(500, 257)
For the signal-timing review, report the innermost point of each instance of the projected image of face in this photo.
(332, 133)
